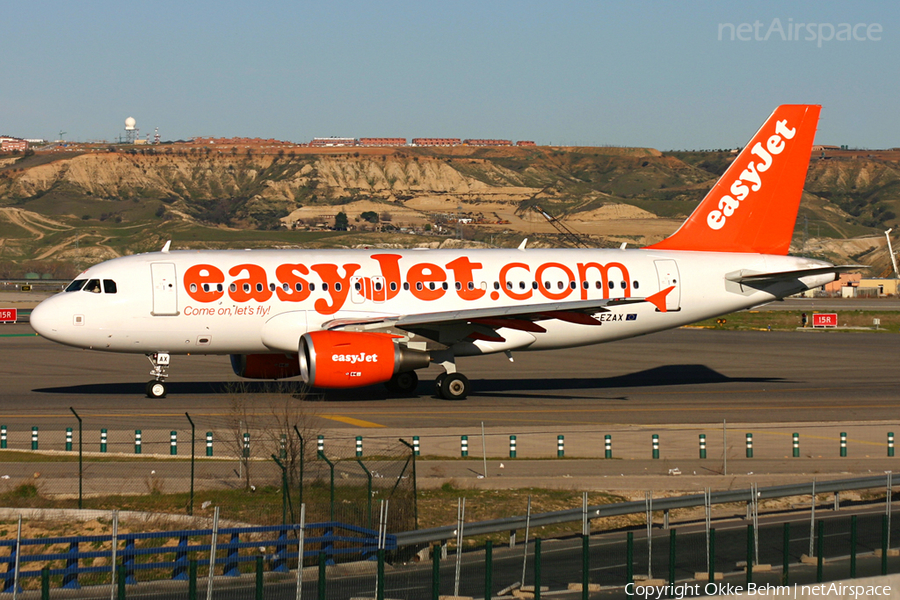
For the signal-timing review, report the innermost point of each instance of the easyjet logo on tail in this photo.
(750, 179)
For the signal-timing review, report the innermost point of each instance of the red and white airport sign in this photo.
(9, 315)
(824, 320)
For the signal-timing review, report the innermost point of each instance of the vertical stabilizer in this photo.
(753, 206)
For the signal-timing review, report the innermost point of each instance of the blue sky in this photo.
(635, 73)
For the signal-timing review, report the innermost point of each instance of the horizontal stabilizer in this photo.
(744, 276)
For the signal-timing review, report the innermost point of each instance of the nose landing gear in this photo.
(156, 387)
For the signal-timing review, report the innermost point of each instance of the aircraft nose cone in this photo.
(42, 318)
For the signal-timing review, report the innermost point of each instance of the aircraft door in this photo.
(165, 291)
(667, 271)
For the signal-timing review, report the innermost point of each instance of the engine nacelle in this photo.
(345, 359)
(265, 366)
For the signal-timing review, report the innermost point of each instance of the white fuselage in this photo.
(257, 301)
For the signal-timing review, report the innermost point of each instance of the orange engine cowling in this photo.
(265, 366)
(345, 359)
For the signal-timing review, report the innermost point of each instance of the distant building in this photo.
(525, 143)
(878, 287)
(332, 141)
(436, 141)
(382, 141)
(11, 144)
(846, 280)
(487, 142)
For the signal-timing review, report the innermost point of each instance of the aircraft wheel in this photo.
(156, 389)
(438, 381)
(403, 383)
(455, 386)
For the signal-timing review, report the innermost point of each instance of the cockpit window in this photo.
(76, 285)
(93, 285)
(109, 286)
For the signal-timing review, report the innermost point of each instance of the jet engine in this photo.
(345, 359)
(265, 366)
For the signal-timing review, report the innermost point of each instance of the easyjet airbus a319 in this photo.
(351, 318)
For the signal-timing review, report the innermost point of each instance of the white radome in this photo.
(130, 123)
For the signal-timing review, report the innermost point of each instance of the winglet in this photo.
(166, 247)
(522, 245)
(659, 298)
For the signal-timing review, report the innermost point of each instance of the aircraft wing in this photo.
(451, 326)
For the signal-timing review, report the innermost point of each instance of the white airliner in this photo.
(350, 318)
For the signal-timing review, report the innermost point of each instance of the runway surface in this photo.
(686, 376)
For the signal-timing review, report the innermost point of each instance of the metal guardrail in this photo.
(335, 539)
(439, 534)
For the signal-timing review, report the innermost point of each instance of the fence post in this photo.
(853, 547)
(321, 583)
(209, 446)
(138, 441)
(70, 576)
(120, 581)
(34, 438)
(359, 447)
(416, 445)
(68, 439)
(259, 578)
(890, 451)
(464, 446)
(843, 444)
(192, 579)
(560, 446)
(655, 446)
(820, 551)
(672, 533)
(629, 558)
(488, 569)
(45, 583)
(435, 572)
(103, 440)
(750, 553)
(537, 568)
(796, 445)
(608, 443)
(749, 445)
(173, 443)
(512, 446)
(179, 571)
(231, 568)
(702, 445)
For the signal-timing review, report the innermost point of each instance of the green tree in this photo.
(341, 222)
(370, 215)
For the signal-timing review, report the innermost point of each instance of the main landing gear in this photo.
(156, 387)
(451, 385)
(403, 383)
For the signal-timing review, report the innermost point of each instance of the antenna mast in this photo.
(887, 234)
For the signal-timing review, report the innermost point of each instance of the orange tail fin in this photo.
(753, 207)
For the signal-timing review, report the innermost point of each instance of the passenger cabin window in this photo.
(76, 285)
(109, 286)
